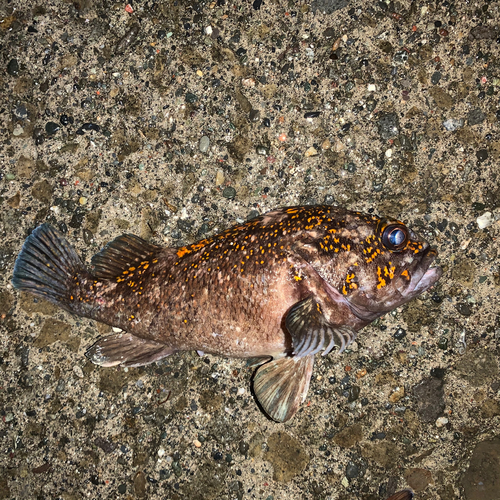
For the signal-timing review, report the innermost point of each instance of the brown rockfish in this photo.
(282, 287)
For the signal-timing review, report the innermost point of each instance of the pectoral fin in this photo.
(281, 386)
(311, 332)
(126, 349)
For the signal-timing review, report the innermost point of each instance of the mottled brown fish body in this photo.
(285, 285)
(227, 295)
(206, 312)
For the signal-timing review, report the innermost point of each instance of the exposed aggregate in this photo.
(174, 120)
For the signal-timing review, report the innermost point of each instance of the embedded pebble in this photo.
(18, 130)
(352, 470)
(51, 128)
(21, 112)
(441, 421)
(311, 152)
(262, 150)
(475, 117)
(485, 220)
(254, 115)
(482, 155)
(78, 371)
(229, 192)
(452, 124)
(248, 82)
(287, 455)
(219, 178)
(481, 479)
(13, 67)
(204, 144)
(128, 38)
(388, 125)
(429, 395)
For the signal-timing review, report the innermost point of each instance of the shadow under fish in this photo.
(278, 290)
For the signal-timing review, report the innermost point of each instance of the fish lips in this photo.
(422, 275)
(367, 306)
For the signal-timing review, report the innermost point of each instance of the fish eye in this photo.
(395, 237)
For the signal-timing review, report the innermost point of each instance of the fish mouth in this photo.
(422, 276)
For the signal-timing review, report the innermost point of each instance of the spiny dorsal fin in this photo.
(281, 386)
(120, 254)
(311, 332)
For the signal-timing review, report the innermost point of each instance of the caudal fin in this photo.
(46, 266)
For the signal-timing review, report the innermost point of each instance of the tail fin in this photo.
(47, 265)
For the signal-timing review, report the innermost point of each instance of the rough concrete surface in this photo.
(172, 120)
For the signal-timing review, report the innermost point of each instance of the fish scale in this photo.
(285, 286)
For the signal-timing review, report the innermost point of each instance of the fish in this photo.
(402, 495)
(287, 285)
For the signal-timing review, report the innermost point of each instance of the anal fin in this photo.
(126, 349)
(281, 386)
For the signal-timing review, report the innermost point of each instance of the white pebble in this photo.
(248, 82)
(441, 421)
(453, 124)
(161, 452)
(388, 153)
(18, 130)
(372, 87)
(78, 371)
(208, 30)
(485, 220)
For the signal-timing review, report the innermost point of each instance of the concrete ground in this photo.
(174, 120)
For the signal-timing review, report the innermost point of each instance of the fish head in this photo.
(387, 265)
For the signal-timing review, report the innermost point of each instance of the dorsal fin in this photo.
(120, 254)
